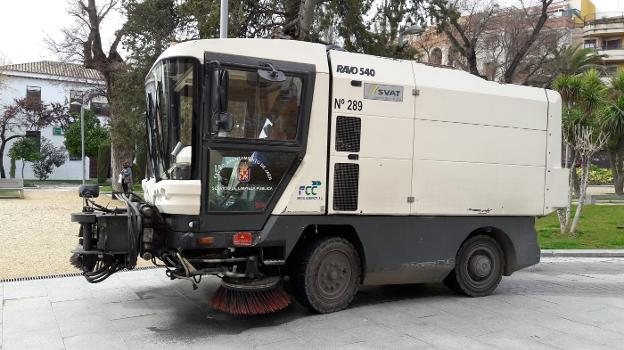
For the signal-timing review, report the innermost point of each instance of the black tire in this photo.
(478, 267)
(327, 275)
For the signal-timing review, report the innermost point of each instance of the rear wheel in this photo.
(478, 267)
(327, 275)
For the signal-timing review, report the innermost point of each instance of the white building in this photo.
(53, 82)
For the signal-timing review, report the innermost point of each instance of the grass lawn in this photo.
(108, 188)
(598, 228)
(9, 193)
(33, 183)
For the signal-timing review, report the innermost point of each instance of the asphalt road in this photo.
(562, 303)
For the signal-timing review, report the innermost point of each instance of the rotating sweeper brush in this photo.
(255, 297)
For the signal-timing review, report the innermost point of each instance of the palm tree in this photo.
(570, 60)
(584, 97)
(612, 120)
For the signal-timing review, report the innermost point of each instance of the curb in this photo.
(583, 253)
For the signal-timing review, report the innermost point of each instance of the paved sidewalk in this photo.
(562, 303)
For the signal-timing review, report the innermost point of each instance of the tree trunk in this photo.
(564, 215)
(306, 14)
(2, 173)
(120, 153)
(618, 184)
(23, 163)
(12, 168)
(617, 169)
(563, 220)
(576, 183)
(471, 60)
(579, 208)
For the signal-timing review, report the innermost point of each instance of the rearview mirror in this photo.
(223, 88)
(221, 119)
(271, 74)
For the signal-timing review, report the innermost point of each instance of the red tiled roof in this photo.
(59, 69)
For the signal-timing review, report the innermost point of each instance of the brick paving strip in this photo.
(561, 303)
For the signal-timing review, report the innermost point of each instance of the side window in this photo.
(261, 109)
(33, 94)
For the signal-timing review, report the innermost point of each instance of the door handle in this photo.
(353, 156)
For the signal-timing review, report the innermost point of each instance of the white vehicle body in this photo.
(448, 143)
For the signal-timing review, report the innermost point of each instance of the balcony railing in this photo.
(604, 18)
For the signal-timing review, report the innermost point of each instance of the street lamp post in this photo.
(82, 138)
(223, 28)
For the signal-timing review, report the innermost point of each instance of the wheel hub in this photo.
(480, 266)
(334, 274)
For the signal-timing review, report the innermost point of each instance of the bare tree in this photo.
(587, 142)
(510, 41)
(83, 42)
(535, 23)
(464, 22)
(24, 115)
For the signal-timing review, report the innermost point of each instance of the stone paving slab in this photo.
(562, 303)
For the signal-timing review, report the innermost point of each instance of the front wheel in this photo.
(478, 267)
(328, 275)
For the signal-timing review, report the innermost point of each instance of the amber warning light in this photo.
(242, 239)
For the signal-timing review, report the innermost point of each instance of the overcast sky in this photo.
(25, 23)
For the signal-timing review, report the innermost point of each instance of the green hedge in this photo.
(103, 162)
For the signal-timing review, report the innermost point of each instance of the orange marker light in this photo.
(206, 241)
(242, 239)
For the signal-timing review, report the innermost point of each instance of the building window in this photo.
(590, 44)
(75, 157)
(610, 70)
(57, 131)
(612, 44)
(75, 96)
(33, 94)
(489, 70)
(436, 56)
(100, 108)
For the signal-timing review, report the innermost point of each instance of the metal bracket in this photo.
(415, 92)
(410, 199)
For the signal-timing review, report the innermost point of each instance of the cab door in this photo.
(372, 131)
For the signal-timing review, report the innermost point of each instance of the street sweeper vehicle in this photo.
(292, 168)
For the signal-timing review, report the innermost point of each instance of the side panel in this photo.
(460, 188)
(378, 92)
(556, 177)
(479, 146)
(411, 249)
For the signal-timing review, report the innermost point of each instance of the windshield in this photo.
(261, 109)
(170, 108)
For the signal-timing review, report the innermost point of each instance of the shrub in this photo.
(598, 176)
(50, 157)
